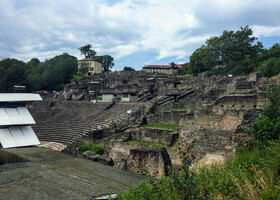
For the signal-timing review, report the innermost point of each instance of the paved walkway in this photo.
(49, 174)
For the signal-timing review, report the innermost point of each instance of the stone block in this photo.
(152, 160)
(90, 155)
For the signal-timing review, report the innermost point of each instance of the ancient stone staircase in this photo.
(72, 128)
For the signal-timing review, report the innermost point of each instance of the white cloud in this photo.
(266, 31)
(121, 28)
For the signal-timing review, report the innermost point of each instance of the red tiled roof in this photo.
(87, 59)
(160, 66)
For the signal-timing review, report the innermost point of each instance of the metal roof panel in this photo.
(25, 115)
(4, 118)
(6, 138)
(15, 116)
(17, 136)
(30, 135)
(18, 97)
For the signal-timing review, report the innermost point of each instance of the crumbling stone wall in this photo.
(240, 102)
(137, 157)
(162, 136)
(213, 129)
(152, 160)
(208, 132)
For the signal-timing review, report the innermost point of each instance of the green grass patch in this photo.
(151, 144)
(90, 147)
(77, 77)
(162, 126)
(180, 109)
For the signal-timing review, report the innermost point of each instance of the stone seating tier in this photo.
(87, 117)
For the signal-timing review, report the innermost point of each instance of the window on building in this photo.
(125, 95)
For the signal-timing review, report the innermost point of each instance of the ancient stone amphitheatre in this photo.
(141, 119)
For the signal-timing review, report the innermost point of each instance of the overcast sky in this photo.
(134, 32)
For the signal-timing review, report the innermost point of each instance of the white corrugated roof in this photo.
(15, 116)
(16, 97)
(17, 136)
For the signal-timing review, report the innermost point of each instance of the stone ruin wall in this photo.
(215, 111)
(211, 131)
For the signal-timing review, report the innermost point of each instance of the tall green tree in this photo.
(12, 72)
(35, 78)
(14, 75)
(53, 72)
(106, 61)
(231, 49)
(87, 51)
(184, 69)
(34, 62)
(201, 60)
(271, 61)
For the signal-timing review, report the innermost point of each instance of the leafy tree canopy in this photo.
(34, 62)
(271, 61)
(106, 61)
(36, 75)
(87, 51)
(126, 68)
(268, 125)
(12, 72)
(233, 49)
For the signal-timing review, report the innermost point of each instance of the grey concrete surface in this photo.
(48, 174)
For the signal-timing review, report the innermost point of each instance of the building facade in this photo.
(94, 67)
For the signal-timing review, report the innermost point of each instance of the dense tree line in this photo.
(51, 74)
(234, 52)
(126, 68)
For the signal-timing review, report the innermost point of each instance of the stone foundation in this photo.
(166, 137)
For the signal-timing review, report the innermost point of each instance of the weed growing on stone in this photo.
(162, 126)
(77, 77)
(180, 109)
(90, 147)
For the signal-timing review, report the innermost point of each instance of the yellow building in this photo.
(94, 67)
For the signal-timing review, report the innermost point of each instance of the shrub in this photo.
(265, 130)
(177, 186)
(268, 125)
(77, 77)
(251, 174)
(89, 147)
